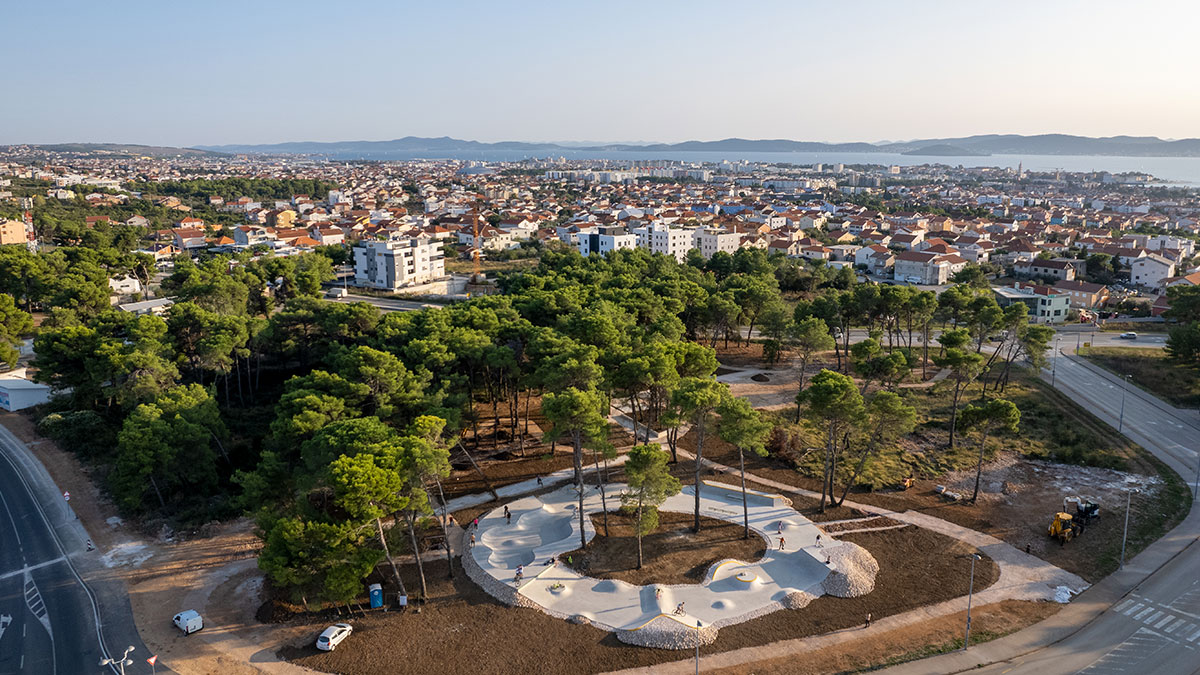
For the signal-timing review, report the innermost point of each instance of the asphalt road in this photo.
(57, 617)
(51, 627)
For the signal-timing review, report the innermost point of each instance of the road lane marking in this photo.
(1143, 613)
(1194, 636)
(1133, 609)
(1169, 618)
(1154, 618)
(1175, 626)
(1122, 605)
(27, 568)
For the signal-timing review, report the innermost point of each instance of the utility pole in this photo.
(970, 593)
(1054, 365)
(1125, 534)
(697, 648)
(1121, 422)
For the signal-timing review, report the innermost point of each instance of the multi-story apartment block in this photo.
(396, 263)
(709, 241)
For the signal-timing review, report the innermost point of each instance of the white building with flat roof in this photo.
(396, 263)
(710, 241)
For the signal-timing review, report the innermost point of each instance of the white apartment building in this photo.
(1151, 271)
(604, 239)
(396, 263)
(710, 241)
(661, 238)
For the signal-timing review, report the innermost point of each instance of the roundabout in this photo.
(516, 560)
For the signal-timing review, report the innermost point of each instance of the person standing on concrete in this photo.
(781, 543)
(507, 515)
(868, 624)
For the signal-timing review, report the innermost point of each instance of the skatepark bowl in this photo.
(733, 591)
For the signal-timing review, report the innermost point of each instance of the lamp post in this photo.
(1125, 534)
(1196, 492)
(121, 662)
(1054, 366)
(697, 647)
(1121, 421)
(970, 593)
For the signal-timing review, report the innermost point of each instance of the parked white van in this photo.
(189, 621)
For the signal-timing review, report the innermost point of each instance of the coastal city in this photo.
(600, 339)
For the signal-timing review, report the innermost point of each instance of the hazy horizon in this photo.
(228, 73)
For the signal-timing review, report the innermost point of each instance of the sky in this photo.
(260, 71)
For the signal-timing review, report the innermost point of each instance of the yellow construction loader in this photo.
(1063, 527)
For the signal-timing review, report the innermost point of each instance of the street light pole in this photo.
(1121, 421)
(1125, 534)
(1054, 367)
(121, 662)
(1196, 492)
(970, 593)
(697, 648)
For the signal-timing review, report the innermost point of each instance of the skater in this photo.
(868, 624)
(472, 544)
(679, 609)
(781, 543)
(475, 523)
(819, 544)
(507, 515)
(658, 594)
(539, 481)
(520, 574)
(780, 530)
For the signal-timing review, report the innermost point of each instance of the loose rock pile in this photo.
(797, 600)
(667, 633)
(853, 571)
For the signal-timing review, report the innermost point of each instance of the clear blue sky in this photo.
(257, 71)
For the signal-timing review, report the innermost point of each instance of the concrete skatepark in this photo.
(542, 528)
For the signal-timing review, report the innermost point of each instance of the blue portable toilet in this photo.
(376, 595)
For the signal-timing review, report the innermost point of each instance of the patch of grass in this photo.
(1136, 326)
(1151, 370)
(1052, 427)
(490, 266)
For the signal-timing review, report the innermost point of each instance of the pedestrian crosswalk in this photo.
(1176, 625)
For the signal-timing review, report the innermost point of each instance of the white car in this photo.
(1129, 336)
(331, 637)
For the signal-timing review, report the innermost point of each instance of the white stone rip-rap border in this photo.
(542, 528)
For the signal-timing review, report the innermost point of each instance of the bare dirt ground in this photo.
(1018, 498)
(940, 634)
(463, 630)
(671, 555)
(503, 459)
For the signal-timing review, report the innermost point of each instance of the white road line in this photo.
(1154, 617)
(1194, 636)
(1168, 619)
(1132, 609)
(1122, 605)
(31, 567)
(1143, 613)
(1175, 626)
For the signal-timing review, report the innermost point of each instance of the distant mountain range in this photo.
(989, 144)
(123, 149)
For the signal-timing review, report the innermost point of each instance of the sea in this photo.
(1179, 171)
